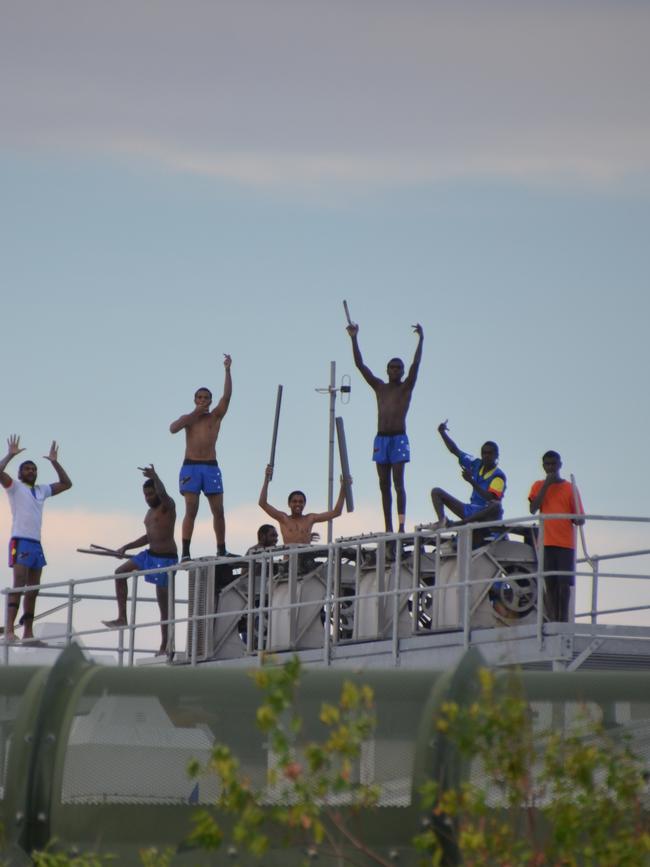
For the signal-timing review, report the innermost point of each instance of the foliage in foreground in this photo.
(560, 798)
(308, 783)
(553, 798)
(564, 797)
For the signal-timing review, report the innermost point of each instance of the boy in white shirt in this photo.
(26, 557)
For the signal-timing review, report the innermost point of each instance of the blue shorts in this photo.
(472, 509)
(391, 450)
(194, 478)
(150, 560)
(26, 552)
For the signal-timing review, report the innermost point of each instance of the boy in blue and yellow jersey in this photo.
(487, 480)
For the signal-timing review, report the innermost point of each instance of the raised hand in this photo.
(54, 453)
(13, 442)
(352, 329)
(418, 330)
(227, 361)
(149, 472)
(442, 427)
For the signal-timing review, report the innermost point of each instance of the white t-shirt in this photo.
(27, 508)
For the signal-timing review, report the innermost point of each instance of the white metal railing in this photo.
(405, 582)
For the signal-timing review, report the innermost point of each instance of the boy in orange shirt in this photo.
(555, 496)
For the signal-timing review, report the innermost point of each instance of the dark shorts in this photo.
(196, 477)
(391, 449)
(150, 560)
(560, 560)
(26, 552)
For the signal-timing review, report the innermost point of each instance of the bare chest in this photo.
(296, 530)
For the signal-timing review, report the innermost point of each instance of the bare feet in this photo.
(115, 624)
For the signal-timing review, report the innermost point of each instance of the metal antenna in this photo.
(332, 390)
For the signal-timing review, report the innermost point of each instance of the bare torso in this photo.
(297, 530)
(201, 438)
(393, 400)
(159, 524)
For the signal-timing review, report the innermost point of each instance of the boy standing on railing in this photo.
(554, 495)
(159, 525)
(26, 557)
(391, 450)
(200, 470)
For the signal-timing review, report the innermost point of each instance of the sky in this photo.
(184, 180)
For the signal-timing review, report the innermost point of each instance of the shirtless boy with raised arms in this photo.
(391, 447)
(296, 527)
(200, 470)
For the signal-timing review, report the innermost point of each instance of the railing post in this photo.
(195, 621)
(595, 566)
(5, 648)
(250, 602)
(540, 584)
(329, 625)
(120, 645)
(464, 563)
(415, 583)
(396, 599)
(262, 629)
(134, 603)
(293, 598)
(171, 613)
(68, 629)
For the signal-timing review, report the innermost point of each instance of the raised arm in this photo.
(338, 506)
(535, 502)
(64, 483)
(372, 380)
(161, 492)
(13, 449)
(417, 357)
(263, 501)
(222, 407)
(447, 440)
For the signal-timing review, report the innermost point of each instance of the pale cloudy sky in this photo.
(181, 180)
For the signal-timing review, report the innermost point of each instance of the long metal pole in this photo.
(330, 483)
(276, 421)
(345, 465)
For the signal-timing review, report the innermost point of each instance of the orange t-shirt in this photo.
(558, 499)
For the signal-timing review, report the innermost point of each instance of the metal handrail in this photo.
(331, 556)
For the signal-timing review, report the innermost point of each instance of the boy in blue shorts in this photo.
(487, 480)
(391, 446)
(159, 524)
(200, 471)
(26, 557)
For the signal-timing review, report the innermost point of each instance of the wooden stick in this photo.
(274, 438)
(345, 466)
(105, 552)
(581, 527)
(347, 312)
